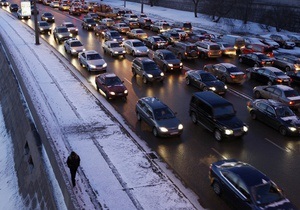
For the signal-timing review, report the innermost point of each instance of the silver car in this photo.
(92, 60)
(73, 46)
(114, 48)
(135, 47)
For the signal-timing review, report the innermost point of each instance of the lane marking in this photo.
(219, 153)
(235, 92)
(281, 148)
(127, 81)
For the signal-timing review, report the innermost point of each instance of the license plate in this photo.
(173, 133)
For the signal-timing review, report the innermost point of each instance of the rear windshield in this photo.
(215, 47)
(187, 25)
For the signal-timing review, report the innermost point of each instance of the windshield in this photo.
(214, 47)
(170, 56)
(70, 25)
(114, 34)
(139, 31)
(44, 24)
(150, 66)
(225, 110)
(266, 193)
(93, 57)
(90, 20)
(291, 93)
(207, 77)
(63, 30)
(138, 44)
(48, 14)
(115, 45)
(111, 81)
(163, 113)
(284, 111)
(76, 44)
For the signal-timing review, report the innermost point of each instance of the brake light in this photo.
(291, 103)
(232, 76)
(279, 80)
(249, 104)
(263, 63)
(245, 76)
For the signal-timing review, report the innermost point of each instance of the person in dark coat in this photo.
(73, 163)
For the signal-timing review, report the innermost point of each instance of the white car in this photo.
(54, 4)
(135, 47)
(73, 46)
(108, 22)
(182, 33)
(64, 7)
(71, 27)
(137, 33)
(92, 60)
(114, 48)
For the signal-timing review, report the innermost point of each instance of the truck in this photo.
(104, 11)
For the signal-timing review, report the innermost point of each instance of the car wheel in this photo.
(287, 68)
(205, 88)
(133, 72)
(65, 49)
(194, 118)
(283, 131)
(138, 116)
(218, 135)
(145, 80)
(257, 94)
(253, 115)
(217, 188)
(269, 83)
(223, 79)
(155, 132)
(241, 60)
(187, 81)
(255, 65)
(165, 68)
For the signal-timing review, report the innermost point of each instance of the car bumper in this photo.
(155, 79)
(103, 69)
(170, 133)
(118, 95)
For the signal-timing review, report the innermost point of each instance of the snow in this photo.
(115, 170)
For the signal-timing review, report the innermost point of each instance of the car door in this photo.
(149, 117)
(267, 92)
(264, 76)
(277, 95)
(139, 68)
(270, 117)
(83, 58)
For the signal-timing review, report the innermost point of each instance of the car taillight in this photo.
(263, 63)
(232, 76)
(245, 76)
(291, 103)
(279, 80)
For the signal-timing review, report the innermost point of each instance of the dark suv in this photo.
(89, 23)
(61, 33)
(158, 116)
(184, 50)
(216, 114)
(147, 69)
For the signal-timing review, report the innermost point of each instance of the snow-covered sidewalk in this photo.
(115, 172)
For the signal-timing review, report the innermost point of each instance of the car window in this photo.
(223, 111)
(111, 81)
(290, 93)
(163, 113)
(261, 106)
(149, 66)
(95, 56)
(232, 178)
(207, 77)
(243, 189)
(277, 92)
(270, 110)
(269, 89)
(266, 193)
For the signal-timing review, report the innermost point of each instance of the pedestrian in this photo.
(73, 163)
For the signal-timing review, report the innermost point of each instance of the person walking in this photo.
(73, 163)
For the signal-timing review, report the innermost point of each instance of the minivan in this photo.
(217, 115)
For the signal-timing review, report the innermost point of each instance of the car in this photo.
(135, 47)
(237, 41)
(48, 16)
(295, 77)
(121, 27)
(113, 48)
(186, 26)
(21, 15)
(4, 3)
(184, 50)
(256, 59)
(32, 10)
(13, 7)
(144, 22)
(147, 70)
(61, 33)
(93, 15)
(100, 30)
(92, 60)
(282, 93)
(161, 119)
(294, 38)
(54, 4)
(137, 33)
(287, 62)
(170, 37)
(160, 26)
(167, 61)
(205, 81)
(73, 46)
(108, 22)
(44, 27)
(129, 17)
(64, 7)
(110, 35)
(245, 187)
(268, 75)
(155, 42)
(71, 27)
(75, 10)
(283, 41)
(133, 24)
(262, 48)
(84, 9)
(275, 114)
(227, 49)
(217, 115)
(88, 24)
(208, 49)
(182, 34)
(226, 72)
(46, 2)
(269, 42)
(111, 86)
(193, 38)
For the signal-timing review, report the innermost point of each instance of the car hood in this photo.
(118, 49)
(293, 120)
(141, 48)
(284, 204)
(80, 48)
(168, 123)
(64, 34)
(294, 98)
(284, 77)
(231, 122)
(96, 62)
(154, 72)
(174, 61)
(117, 88)
(215, 83)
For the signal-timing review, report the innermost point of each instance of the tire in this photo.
(217, 135)
(138, 116)
(223, 79)
(165, 68)
(269, 83)
(205, 88)
(194, 118)
(155, 132)
(283, 131)
(133, 53)
(253, 115)
(257, 94)
(145, 80)
(241, 60)
(287, 68)
(217, 188)
(187, 81)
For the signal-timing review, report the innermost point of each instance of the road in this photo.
(190, 154)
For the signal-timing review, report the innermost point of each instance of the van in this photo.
(186, 26)
(217, 115)
(209, 49)
(237, 41)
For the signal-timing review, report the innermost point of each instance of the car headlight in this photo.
(163, 129)
(171, 65)
(180, 127)
(125, 91)
(41, 29)
(212, 88)
(83, 49)
(228, 131)
(245, 128)
(59, 35)
(112, 93)
(162, 74)
(293, 129)
(92, 66)
(76, 29)
(115, 40)
(123, 51)
(89, 25)
(73, 50)
(149, 75)
(123, 39)
(225, 86)
(138, 51)
(105, 64)
(181, 64)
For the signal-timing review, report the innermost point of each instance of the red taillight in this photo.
(249, 103)
(232, 76)
(291, 103)
(279, 80)
(245, 76)
(263, 63)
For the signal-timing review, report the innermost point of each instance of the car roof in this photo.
(271, 102)
(283, 87)
(211, 98)
(227, 65)
(108, 75)
(271, 68)
(91, 52)
(153, 102)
